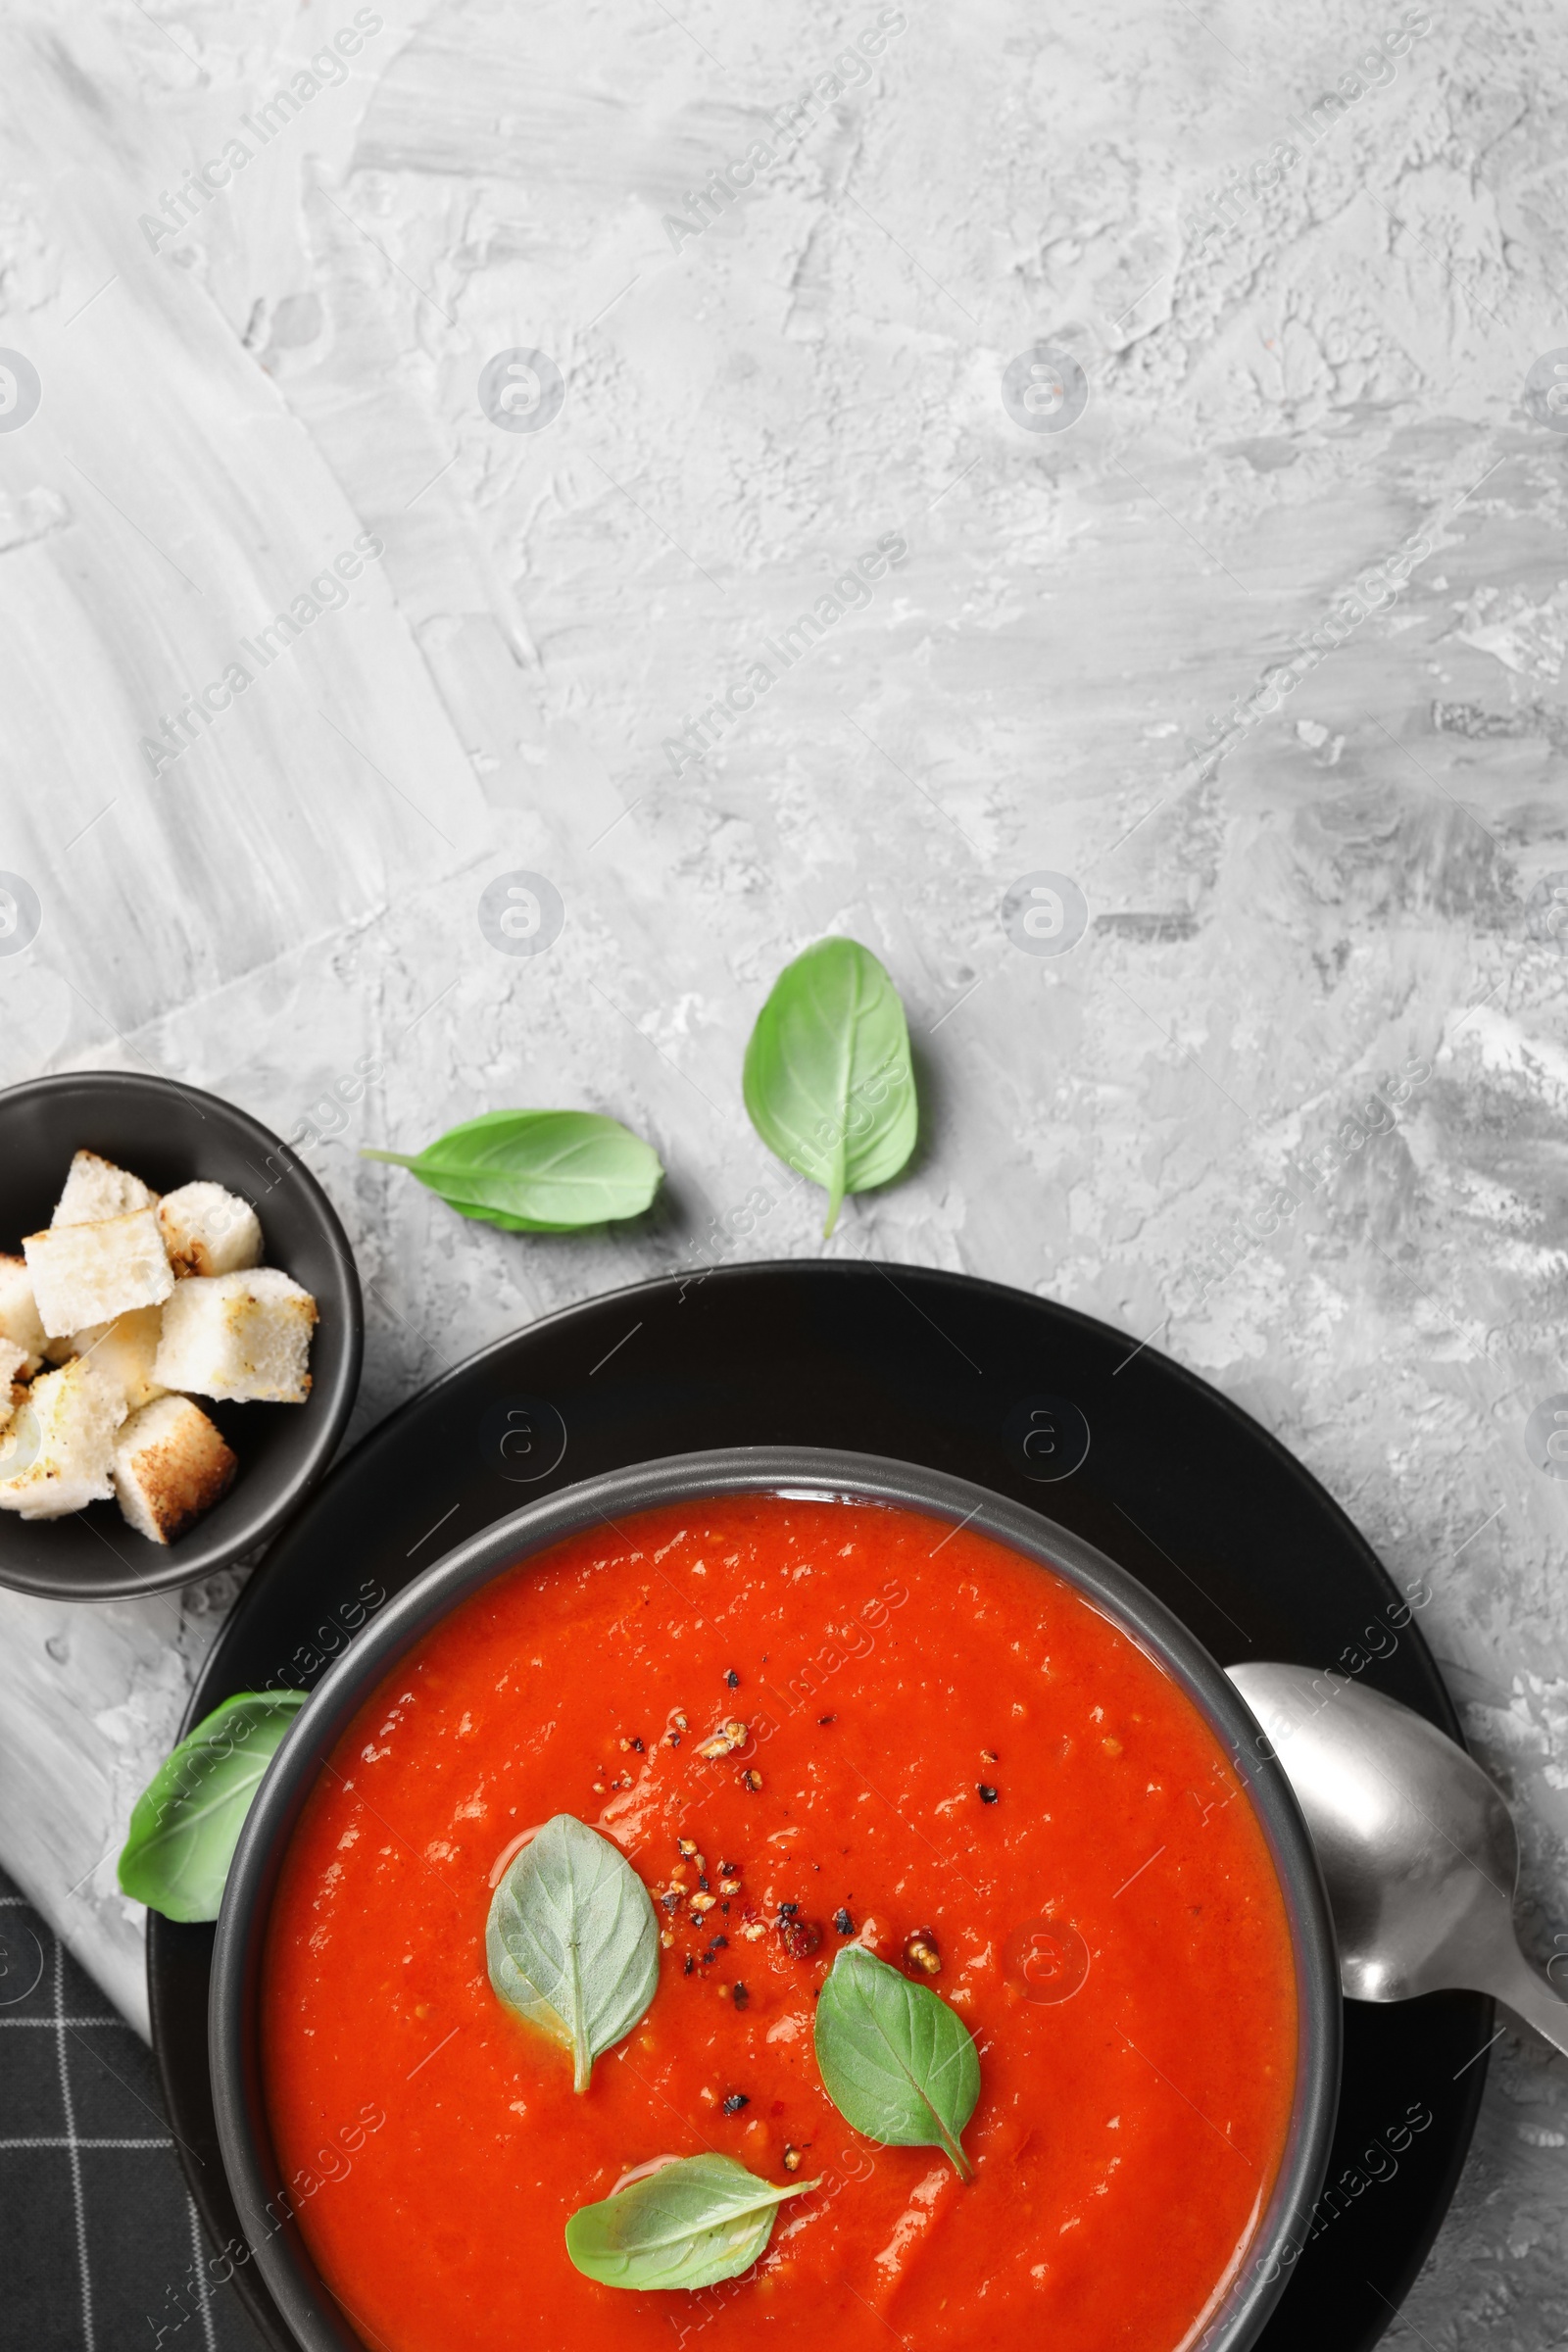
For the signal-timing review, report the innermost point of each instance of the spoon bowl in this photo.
(1418, 1847)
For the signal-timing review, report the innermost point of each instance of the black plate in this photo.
(1042, 1405)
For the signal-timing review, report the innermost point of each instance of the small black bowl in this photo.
(170, 1135)
(272, 2233)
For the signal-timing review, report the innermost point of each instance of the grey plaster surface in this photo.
(1262, 650)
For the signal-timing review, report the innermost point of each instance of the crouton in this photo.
(19, 1311)
(124, 1350)
(57, 1451)
(90, 1273)
(245, 1336)
(170, 1464)
(13, 1391)
(209, 1231)
(96, 1189)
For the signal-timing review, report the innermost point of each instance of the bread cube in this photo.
(19, 1311)
(96, 1189)
(12, 1362)
(170, 1464)
(124, 1350)
(90, 1273)
(245, 1336)
(57, 1451)
(209, 1231)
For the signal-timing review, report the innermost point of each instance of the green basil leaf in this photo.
(537, 1171)
(828, 1083)
(187, 1820)
(691, 2223)
(895, 2061)
(572, 1942)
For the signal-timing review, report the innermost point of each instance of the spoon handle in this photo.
(1531, 1997)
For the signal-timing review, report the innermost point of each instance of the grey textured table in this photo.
(1203, 364)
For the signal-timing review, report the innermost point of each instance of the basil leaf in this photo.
(187, 1820)
(895, 2061)
(537, 1171)
(572, 1942)
(828, 1083)
(691, 2223)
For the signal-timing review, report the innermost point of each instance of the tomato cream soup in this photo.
(934, 1746)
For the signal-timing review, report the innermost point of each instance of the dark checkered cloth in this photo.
(102, 2248)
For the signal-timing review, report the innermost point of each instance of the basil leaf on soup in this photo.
(187, 1820)
(572, 1942)
(691, 2223)
(828, 1082)
(537, 1171)
(895, 2061)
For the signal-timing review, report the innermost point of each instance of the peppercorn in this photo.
(725, 1740)
(920, 1952)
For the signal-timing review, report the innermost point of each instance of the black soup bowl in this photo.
(170, 1135)
(273, 2235)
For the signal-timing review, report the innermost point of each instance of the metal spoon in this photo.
(1418, 1847)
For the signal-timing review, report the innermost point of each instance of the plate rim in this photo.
(1446, 1717)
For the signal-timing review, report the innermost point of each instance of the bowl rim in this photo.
(191, 1558)
(272, 2235)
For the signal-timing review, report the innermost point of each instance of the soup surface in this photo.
(945, 1743)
